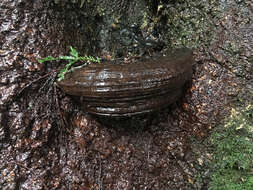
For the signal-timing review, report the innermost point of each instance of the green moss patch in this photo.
(232, 165)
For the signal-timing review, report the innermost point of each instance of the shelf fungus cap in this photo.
(126, 89)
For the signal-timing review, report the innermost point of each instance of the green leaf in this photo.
(89, 58)
(69, 64)
(67, 58)
(73, 52)
(61, 75)
(74, 57)
(49, 58)
(65, 70)
(97, 59)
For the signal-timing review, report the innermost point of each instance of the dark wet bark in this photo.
(30, 30)
(47, 141)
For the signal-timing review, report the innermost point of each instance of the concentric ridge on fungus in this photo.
(125, 89)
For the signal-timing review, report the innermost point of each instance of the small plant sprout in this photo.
(73, 58)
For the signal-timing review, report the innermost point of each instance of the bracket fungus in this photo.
(126, 89)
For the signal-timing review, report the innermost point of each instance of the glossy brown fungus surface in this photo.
(125, 89)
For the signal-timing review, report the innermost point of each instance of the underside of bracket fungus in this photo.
(126, 89)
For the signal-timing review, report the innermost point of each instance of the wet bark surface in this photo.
(48, 141)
